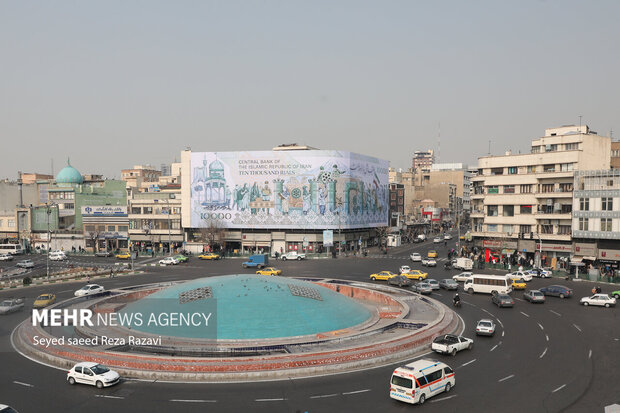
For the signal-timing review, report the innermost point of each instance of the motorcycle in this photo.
(457, 303)
(447, 266)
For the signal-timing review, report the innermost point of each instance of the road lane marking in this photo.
(23, 384)
(104, 396)
(524, 314)
(543, 353)
(577, 327)
(270, 400)
(322, 396)
(590, 354)
(502, 333)
(559, 388)
(64, 291)
(441, 295)
(546, 337)
(192, 401)
(494, 347)
(541, 327)
(518, 299)
(556, 313)
(469, 362)
(506, 378)
(356, 391)
(443, 398)
(500, 322)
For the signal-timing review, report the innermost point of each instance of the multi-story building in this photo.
(397, 204)
(282, 200)
(140, 175)
(615, 155)
(422, 160)
(524, 202)
(596, 217)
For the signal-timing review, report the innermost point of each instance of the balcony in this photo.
(554, 194)
(553, 215)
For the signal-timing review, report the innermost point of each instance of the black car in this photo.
(557, 291)
(399, 280)
(502, 300)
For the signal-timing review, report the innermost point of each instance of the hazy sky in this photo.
(111, 84)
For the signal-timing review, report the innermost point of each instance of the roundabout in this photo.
(238, 328)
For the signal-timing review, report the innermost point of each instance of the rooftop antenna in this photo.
(580, 123)
(52, 166)
(439, 142)
(489, 146)
(611, 133)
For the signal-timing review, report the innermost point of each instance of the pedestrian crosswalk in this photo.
(393, 257)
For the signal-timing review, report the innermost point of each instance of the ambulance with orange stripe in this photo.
(417, 381)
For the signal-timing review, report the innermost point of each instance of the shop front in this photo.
(555, 255)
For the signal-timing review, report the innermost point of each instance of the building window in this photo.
(566, 167)
(545, 188)
(551, 148)
(89, 228)
(509, 189)
(546, 229)
(492, 227)
(615, 153)
(493, 189)
(525, 209)
(571, 146)
(393, 196)
(525, 229)
(526, 189)
(583, 224)
(607, 204)
(136, 210)
(549, 168)
(606, 224)
(492, 210)
(11, 223)
(531, 169)
(512, 170)
(567, 208)
(564, 230)
(509, 210)
(508, 229)
(584, 204)
(111, 228)
(566, 187)
(122, 228)
(148, 210)
(535, 149)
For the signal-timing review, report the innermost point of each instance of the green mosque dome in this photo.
(69, 175)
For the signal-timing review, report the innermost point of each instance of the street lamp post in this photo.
(47, 255)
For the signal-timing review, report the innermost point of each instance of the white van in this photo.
(417, 381)
(58, 256)
(463, 263)
(489, 284)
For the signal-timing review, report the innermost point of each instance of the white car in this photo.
(89, 289)
(437, 240)
(447, 237)
(25, 264)
(7, 409)
(429, 262)
(603, 300)
(415, 257)
(543, 273)
(485, 327)
(404, 269)
(526, 276)
(93, 374)
(462, 277)
(169, 261)
(6, 257)
(57, 256)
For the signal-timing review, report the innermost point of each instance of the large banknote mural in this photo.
(288, 189)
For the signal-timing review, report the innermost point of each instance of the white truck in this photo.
(463, 263)
(293, 256)
(451, 344)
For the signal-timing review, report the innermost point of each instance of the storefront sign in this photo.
(527, 245)
(610, 255)
(585, 249)
(555, 247)
(497, 244)
(328, 238)
(106, 210)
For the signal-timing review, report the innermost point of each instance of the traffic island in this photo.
(346, 326)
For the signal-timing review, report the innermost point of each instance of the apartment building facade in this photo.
(524, 202)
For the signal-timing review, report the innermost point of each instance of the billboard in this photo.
(288, 190)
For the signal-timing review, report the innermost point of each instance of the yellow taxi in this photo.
(44, 300)
(383, 275)
(416, 275)
(431, 254)
(269, 271)
(518, 284)
(123, 256)
(209, 256)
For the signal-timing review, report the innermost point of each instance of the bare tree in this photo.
(382, 233)
(213, 234)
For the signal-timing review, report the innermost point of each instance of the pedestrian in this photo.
(111, 273)
(598, 290)
(152, 253)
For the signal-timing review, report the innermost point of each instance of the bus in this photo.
(13, 249)
(489, 284)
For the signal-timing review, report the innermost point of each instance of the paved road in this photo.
(553, 357)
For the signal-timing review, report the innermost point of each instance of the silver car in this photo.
(449, 284)
(534, 296)
(434, 283)
(485, 327)
(422, 288)
(25, 264)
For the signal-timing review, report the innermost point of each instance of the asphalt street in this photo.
(551, 357)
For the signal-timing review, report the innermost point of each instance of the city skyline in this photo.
(135, 85)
